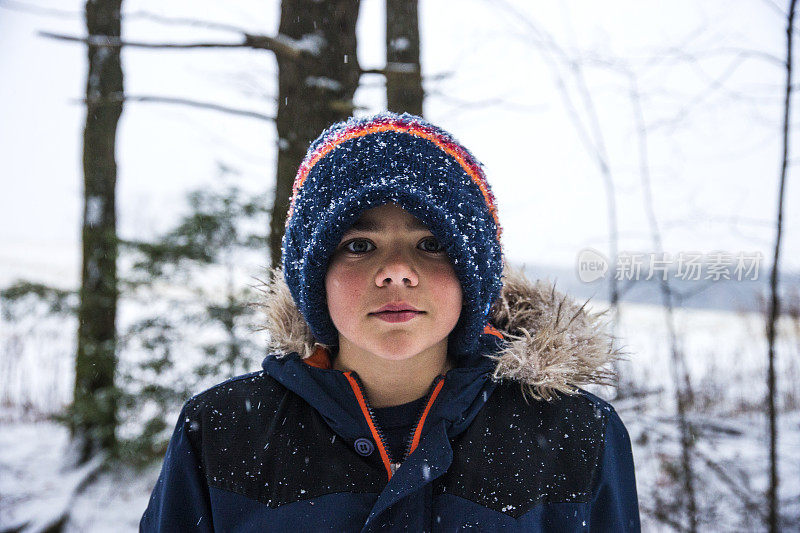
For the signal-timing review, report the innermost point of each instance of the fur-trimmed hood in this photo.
(552, 344)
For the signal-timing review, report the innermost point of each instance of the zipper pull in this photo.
(394, 467)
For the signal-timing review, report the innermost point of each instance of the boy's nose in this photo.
(397, 269)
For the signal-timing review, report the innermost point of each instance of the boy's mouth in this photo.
(397, 307)
(397, 316)
(397, 312)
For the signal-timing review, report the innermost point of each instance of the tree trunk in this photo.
(313, 91)
(94, 417)
(775, 308)
(403, 72)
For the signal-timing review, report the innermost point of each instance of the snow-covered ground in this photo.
(725, 353)
(35, 485)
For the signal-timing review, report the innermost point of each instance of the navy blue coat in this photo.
(296, 446)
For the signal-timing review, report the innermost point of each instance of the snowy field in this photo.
(725, 353)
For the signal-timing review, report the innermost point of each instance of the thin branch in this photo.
(678, 54)
(720, 469)
(115, 99)
(180, 21)
(775, 7)
(38, 10)
(110, 42)
(379, 71)
(741, 53)
(591, 134)
(680, 373)
(281, 46)
(714, 85)
(748, 502)
(427, 78)
(211, 25)
(661, 517)
(498, 101)
(693, 219)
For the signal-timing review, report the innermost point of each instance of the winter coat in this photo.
(506, 440)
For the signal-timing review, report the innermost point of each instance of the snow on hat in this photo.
(367, 162)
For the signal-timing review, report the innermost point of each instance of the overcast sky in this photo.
(711, 101)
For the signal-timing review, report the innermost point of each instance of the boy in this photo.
(405, 356)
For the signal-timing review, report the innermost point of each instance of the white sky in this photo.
(713, 152)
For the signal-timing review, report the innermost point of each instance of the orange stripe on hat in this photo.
(449, 147)
(491, 330)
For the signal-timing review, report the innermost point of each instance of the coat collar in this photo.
(550, 343)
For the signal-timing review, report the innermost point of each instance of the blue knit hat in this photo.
(367, 162)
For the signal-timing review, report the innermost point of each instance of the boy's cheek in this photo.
(339, 279)
(343, 291)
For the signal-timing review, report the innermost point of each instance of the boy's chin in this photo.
(394, 355)
(400, 349)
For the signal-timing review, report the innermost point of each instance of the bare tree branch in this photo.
(108, 42)
(38, 10)
(429, 78)
(282, 46)
(498, 101)
(746, 498)
(680, 373)
(117, 98)
(775, 7)
(181, 21)
(748, 502)
(714, 85)
(733, 220)
(680, 54)
(591, 134)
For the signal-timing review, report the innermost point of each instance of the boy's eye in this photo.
(359, 246)
(431, 244)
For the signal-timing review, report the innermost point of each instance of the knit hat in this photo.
(367, 162)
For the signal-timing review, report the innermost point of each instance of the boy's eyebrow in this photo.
(375, 226)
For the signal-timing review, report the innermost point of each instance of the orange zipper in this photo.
(377, 434)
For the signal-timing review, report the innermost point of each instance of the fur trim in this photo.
(552, 343)
(288, 330)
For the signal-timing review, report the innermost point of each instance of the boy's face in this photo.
(390, 257)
